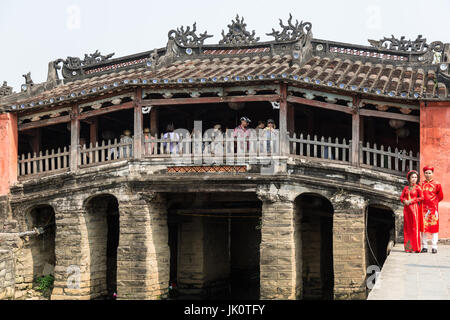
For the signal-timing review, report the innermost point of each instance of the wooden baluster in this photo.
(336, 150)
(315, 146)
(404, 155)
(389, 158)
(95, 159)
(382, 157)
(294, 144)
(39, 163)
(22, 165)
(396, 159)
(58, 159)
(368, 153)
(102, 153)
(65, 160)
(375, 155)
(161, 144)
(52, 160)
(46, 161)
(308, 146)
(322, 148)
(301, 145)
(91, 154)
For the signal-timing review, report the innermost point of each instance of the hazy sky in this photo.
(32, 33)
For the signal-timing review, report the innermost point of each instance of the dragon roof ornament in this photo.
(75, 63)
(291, 32)
(188, 37)
(237, 33)
(417, 46)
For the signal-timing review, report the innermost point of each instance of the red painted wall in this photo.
(435, 151)
(8, 151)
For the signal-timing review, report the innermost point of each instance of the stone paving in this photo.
(414, 276)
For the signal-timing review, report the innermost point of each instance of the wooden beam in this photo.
(93, 113)
(201, 100)
(389, 115)
(43, 123)
(320, 104)
(284, 143)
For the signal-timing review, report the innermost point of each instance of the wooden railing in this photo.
(44, 162)
(107, 151)
(220, 149)
(211, 146)
(393, 160)
(323, 148)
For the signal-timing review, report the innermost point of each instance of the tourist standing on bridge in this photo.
(411, 197)
(432, 192)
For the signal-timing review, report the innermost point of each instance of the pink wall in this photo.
(435, 151)
(8, 151)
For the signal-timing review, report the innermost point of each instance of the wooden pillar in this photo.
(154, 121)
(138, 121)
(284, 143)
(74, 137)
(356, 124)
(93, 130)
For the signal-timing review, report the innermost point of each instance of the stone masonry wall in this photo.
(143, 255)
(349, 246)
(7, 274)
(278, 274)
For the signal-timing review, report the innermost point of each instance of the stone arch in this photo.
(315, 226)
(380, 225)
(40, 247)
(102, 226)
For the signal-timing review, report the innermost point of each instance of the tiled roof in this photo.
(340, 73)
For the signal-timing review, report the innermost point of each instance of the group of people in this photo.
(420, 212)
(265, 129)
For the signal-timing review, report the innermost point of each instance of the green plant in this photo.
(44, 284)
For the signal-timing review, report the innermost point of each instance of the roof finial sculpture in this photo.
(188, 37)
(237, 33)
(291, 32)
(72, 65)
(5, 90)
(419, 45)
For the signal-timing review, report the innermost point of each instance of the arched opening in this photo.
(316, 228)
(42, 245)
(380, 234)
(214, 241)
(102, 223)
